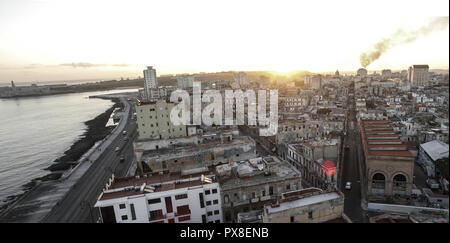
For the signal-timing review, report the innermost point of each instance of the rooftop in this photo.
(155, 182)
(435, 149)
(254, 171)
(311, 196)
(379, 139)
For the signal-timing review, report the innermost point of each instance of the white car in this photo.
(348, 185)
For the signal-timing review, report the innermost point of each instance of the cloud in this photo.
(90, 65)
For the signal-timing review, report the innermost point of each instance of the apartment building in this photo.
(316, 160)
(190, 196)
(153, 121)
(206, 150)
(418, 75)
(311, 205)
(249, 184)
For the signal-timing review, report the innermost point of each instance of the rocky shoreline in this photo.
(96, 131)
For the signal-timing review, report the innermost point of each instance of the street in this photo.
(77, 205)
(351, 168)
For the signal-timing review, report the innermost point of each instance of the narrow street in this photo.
(351, 169)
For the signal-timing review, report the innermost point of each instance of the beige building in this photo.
(153, 120)
(248, 185)
(311, 205)
(389, 163)
(418, 75)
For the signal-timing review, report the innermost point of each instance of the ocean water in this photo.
(34, 131)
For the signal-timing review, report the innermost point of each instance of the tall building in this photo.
(418, 75)
(153, 121)
(316, 82)
(185, 82)
(150, 81)
(240, 78)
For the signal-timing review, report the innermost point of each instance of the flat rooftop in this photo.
(253, 172)
(186, 149)
(131, 186)
(300, 201)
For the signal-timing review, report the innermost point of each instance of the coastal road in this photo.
(77, 205)
(351, 168)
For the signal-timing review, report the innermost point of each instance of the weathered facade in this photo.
(317, 161)
(213, 151)
(389, 163)
(310, 205)
(248, 185)
(153, 121)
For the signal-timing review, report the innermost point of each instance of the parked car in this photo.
(348, 185)
(117, 149)
(122, 159)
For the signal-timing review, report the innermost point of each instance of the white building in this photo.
(150, 81)
(240, 78)
(162, 198)
(418, 75)
(185, 82)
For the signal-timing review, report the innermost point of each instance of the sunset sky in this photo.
(44, 40)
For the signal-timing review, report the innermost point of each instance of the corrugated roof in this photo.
(435, 149)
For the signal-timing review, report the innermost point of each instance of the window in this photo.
(182, 210)
(208, 203)
(124, 217)
(288, 186)
(203, 218)
(207, 192)
(122, 206)
(202, 203)
(184, 218)
(181, 196)
(216, 201)
(292, 219)
(133, 213)
(310, 215)
(153, 201)
(214, 190)
(216, 212)
(253, 194)
(263, 193)
(156, 214)
(210, 213)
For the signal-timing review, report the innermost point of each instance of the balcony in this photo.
(254, 200)
(242, 202)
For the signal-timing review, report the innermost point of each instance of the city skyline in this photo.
(201, 36)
